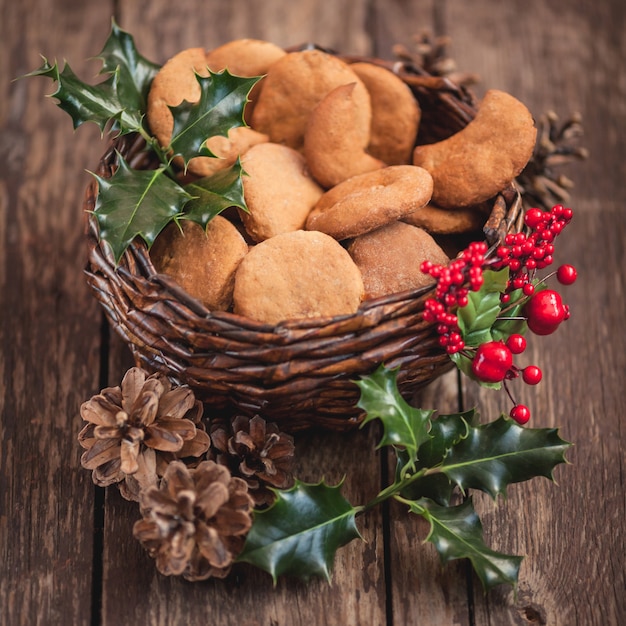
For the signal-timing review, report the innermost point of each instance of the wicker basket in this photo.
(299, 373)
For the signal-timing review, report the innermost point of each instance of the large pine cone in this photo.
(195, 523)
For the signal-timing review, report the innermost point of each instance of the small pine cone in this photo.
(196, 521)
(133, 431)
(257, 452)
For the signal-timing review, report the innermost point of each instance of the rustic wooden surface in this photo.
(66, 551)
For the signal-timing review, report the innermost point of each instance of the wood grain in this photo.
(57, 568)
(49, 334)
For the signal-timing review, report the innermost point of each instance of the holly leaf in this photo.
(120, 55)
(119, 100)
(300, 533)
(457, 533)
(403, 425)
(86, 103)
(478, 316)
(211, 195)
(136, 203)
(220, 108)
(499, 453)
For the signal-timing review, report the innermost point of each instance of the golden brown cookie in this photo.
(301, 274)
(395, 114)
(294, 85)
(447, 221)
(369, 201)
(278, 190)
(336, 138)
(479, 161)
(202, 263)
(390, 258)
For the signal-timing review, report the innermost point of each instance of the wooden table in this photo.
(67, 555)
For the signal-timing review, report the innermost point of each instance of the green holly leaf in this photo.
(86, 103)
(213, 194)
(457, 533)
(446, 431)
(499, 453)
(478, 316)
(136, 203)
(300, 533)
(119, 100)
(403, 425)
(220, 108)
(119, 54)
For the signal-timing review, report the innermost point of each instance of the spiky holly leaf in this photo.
(119, 54)
(213, 194)
(457, 533)
(136, 203)
(220, 108)
(300, 533)
(499, 453)
(478, 316)
(120, 99)
(403, 425)
(446, 431)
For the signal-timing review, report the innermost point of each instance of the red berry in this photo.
(544, 312)
(492, 361)
(532, 375)
(516, 344)
(520, 413)
(566, 274)
(534, 217)
(528, 289)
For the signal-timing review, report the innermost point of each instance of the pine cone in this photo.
(257, 452)
(135, 430)
(195, 523)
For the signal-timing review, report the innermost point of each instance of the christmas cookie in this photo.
(278, 190)
(202, 263)
(368, 201)
(440, 221)
(293, 87)
(337, 136)
(390, 258)
(476, 163)
(395, 114)
(301, 274)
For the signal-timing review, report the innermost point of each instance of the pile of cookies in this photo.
(342, 204)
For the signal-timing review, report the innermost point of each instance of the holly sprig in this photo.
(140, 203)
(440, 459)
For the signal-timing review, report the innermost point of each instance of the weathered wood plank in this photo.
(565, 58)
(49, 331)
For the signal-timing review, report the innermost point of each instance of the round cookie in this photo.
(368, 201)
(301, 274)
(390, 258)
(202, 263)
(448, 221)
(479, 161)
(293, 87)
(395, 114)
(278, 190)
(336, 138)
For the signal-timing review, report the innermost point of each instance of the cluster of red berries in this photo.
(454, 282)
(525, 253)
